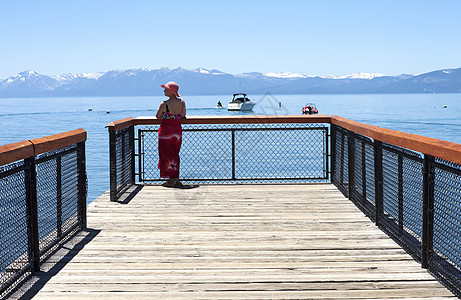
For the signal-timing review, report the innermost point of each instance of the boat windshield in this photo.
(240, 98)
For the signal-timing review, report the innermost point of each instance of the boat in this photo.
(310, 109)
(219, 105)
(240, 102)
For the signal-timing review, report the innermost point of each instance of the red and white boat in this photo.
(310, 109)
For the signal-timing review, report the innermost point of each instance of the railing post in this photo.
(82, 192)
(428, 210)
(113, 164)
(378, 159)
(59, 196)
(341, 171)
(32, 212)
(233, 154)
(351, 162)
(140, 155)
(133, 168)
(333, 152)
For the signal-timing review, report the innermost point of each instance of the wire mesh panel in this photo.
(446, 253)
(205, 154)
(69, 192)
(363, 182)
(280, 153)
(47, 201)
(121, 146)
(403, 196)
(124, 157)
(14, 247)
(57, 195)
(369, 169)
(340, 164)
(243, 153)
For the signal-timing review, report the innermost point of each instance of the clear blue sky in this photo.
(328, 37)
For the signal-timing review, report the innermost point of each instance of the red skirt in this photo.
(169, 144)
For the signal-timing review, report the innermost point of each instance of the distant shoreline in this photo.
(222, 95)
(144, 82)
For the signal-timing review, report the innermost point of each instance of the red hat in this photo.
(172, 87)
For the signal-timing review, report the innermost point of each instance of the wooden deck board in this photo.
(235, 241)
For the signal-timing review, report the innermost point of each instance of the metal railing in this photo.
(224, 150)
(42, 202)
(409, 185)
(121, 156)
(250, 153)
(413, 196)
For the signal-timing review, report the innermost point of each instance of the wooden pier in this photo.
(232, 241)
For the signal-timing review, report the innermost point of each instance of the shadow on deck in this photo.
(232, 241)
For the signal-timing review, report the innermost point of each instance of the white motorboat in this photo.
(240, 102)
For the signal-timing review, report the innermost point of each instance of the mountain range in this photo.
(145, 82)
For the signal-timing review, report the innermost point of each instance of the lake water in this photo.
(28, 118)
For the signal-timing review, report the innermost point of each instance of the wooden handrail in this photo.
(431, 146)
(25, 149)
(250, 119)
(15, 151)
(435, 147)
(57, 141)
(120, 124)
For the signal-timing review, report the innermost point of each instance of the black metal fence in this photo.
(42, 204)
(250, 153)
(122, 161)
(271, 149)
(413, 197)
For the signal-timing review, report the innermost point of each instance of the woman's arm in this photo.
(183, 109)
(161, 110)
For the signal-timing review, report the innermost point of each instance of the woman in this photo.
(171, 112)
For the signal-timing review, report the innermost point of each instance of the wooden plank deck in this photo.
(233, 241)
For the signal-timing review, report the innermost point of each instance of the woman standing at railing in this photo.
(171, 112)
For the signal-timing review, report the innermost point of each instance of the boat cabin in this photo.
(240, 98)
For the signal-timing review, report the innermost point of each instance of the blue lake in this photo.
(28, 118)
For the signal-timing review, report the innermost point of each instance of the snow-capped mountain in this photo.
(209, 72)
(69, 76)
(288, 75)
(200, 81)
(357, 76)
(27, 84)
